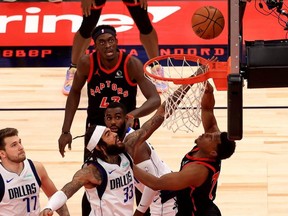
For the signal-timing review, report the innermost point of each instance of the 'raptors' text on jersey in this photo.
(105, 86)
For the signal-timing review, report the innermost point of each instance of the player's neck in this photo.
(115, 159)
(13, 167)
(201, 154)
(108, 64)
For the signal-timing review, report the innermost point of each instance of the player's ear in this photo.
(2, 154)
(213, 153)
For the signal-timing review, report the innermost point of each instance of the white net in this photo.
(187, 107)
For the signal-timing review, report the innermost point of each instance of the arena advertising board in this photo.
(40, 34)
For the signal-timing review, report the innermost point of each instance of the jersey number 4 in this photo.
(214, 182)
(105, 103)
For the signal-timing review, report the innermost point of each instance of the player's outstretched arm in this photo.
(207, 110)
(148, 89)
(87, 176)
(48, 186)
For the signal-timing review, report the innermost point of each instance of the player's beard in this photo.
(18, 159)
(115, 149)
(121, 131)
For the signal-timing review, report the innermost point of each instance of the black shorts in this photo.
(101, 2)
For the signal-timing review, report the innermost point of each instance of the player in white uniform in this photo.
(144, 157)
(116, 196)
(21, 179)
(107, 177)
(20, 195)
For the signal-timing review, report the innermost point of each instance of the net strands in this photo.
(187, 114)
(187, 106)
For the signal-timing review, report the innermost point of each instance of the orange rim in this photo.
(218, 71)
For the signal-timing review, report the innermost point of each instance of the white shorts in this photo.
(169, 208)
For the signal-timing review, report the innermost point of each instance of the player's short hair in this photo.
(6, 132)
(102, 29)
(226, 148)
(116, 105)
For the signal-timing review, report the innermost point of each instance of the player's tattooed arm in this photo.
(142, 134)
(87, 176)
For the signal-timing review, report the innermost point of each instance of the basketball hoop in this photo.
(190, 70)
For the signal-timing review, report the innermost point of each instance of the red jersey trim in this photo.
(131, 4)
(199, 159)
(112, 69)
(202, 163)
(98, 7)
(129, 81)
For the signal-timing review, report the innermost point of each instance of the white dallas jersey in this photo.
(19, 195)
(117, 197)
(159, 168)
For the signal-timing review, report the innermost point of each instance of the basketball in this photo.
(207, 22)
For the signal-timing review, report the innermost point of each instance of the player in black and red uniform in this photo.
(91, 10)
(199, 200)
(111, 76)
(196, 182)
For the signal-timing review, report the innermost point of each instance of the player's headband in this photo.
(96, 136)
(103, 31)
